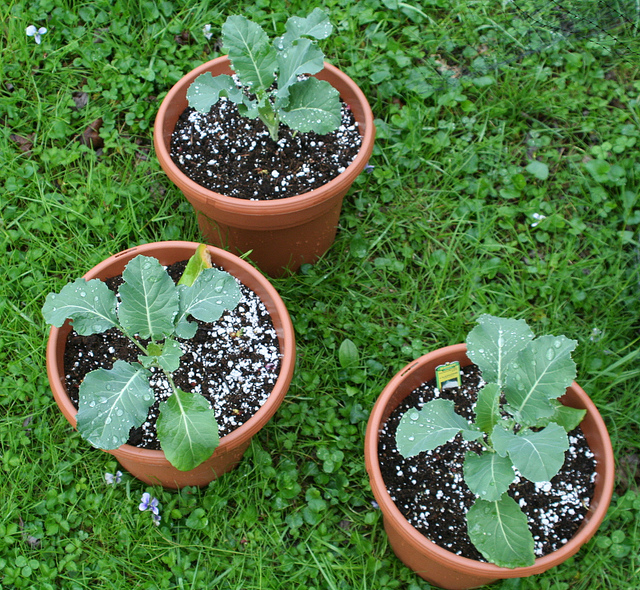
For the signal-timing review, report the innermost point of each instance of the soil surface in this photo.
(233, 362)
(235, 156)
(430, 492)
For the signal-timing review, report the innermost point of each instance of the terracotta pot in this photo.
(435, 564)
(151, 466)
(281, 234)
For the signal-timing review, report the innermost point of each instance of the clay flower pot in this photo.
(444, 568)
(281, 234)
(151, 466)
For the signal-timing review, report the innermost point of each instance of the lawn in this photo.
(505, 180)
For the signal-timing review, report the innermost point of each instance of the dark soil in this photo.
(429, 490)
(234, 363)
(235, 156)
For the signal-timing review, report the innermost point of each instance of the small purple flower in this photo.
(147, 502)
(113, 479)
(36, 33)
(369, 168)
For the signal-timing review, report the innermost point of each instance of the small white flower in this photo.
(36, 33)
(206, 31)
(112, 479)
(596, 335)
(538, 217)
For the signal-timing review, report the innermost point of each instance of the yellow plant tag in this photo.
(448, 376)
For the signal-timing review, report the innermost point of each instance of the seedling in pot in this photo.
(519, 422)
(272, 73)
(151, 311)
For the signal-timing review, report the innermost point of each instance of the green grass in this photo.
(484, 119)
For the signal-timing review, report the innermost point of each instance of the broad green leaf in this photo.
(568, 418)
(315, 25)
(251, 54)
(538, 456)
(111, 402)
(424, 430)
(538, 169)
(205, 91)
(213, 292)
(488, 475)
(488, 407)
(494, 343)
(348, 354)
(187, 430)
(304, 57)
(501, 438)
(166, 356)
(499, 531)
(91, 305)
(149, 299)
(541, 372)
(314, 105)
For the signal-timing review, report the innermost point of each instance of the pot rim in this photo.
(230, 262)
(464, 564)
(262, 207)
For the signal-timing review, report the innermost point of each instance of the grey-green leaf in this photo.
(111, 402)
(501, 436)
(488, 475)
(168, 358)
(424, 430)
(499, 531)
(315, 25)
(488, 407)
(314, 105)
(252, 56)
(187, 430)
(149, 299)
(211, 294)
(91, 305)
(494, 343)
(538, 456)
(568, 418)
(205, 91)
(304, 57)
(541, 372)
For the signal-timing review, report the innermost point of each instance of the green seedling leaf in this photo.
(187, 430)
(541, 372)
(251, 54)
(195, 265)
(499, 531)
(111, 402)
(501, 437)
(212, 292)
(488, 475)
(425, 430)
(205, 91)
(488, 407)
(348, 354)
(538, 456)
(568, 418)
(304, 57)
(314, 105)
(149, 299)
(494, 343)
(91, 306)
(315, 25)
(166, 356)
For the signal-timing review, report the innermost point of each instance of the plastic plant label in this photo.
(448, 376)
